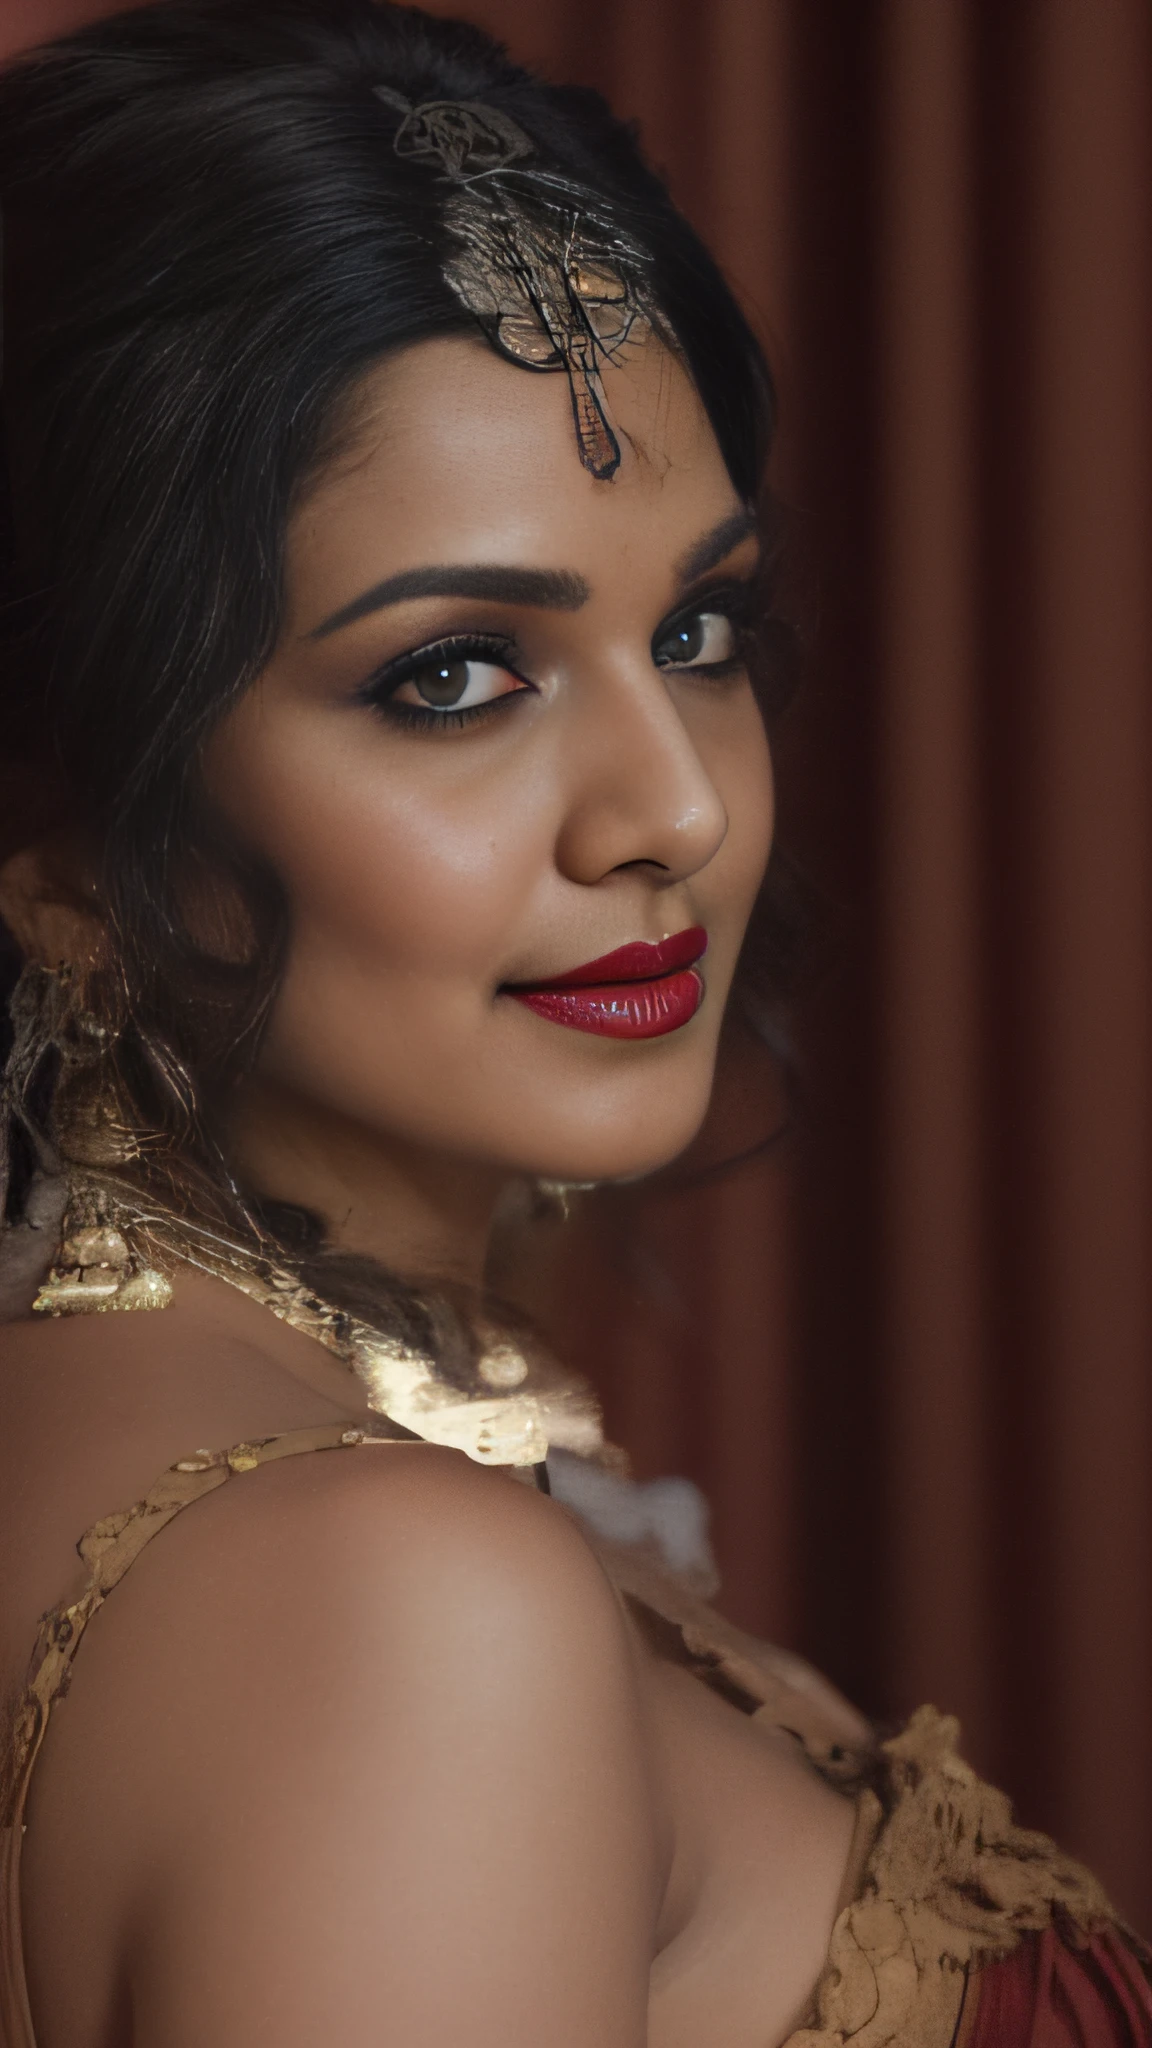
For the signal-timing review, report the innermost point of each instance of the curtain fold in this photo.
(1089, 424)
(928, 802)
(908, 1350)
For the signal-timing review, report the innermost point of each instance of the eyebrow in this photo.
(554, 590)
(712, 548)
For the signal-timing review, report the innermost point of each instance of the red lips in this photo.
(639, 991)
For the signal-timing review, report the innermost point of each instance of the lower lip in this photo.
(621, 1009)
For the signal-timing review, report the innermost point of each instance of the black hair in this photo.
(208, 238)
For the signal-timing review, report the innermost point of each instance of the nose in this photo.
(639, 793)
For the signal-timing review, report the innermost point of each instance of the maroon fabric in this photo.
(1053, 1993)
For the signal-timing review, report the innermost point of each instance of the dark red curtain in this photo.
(908, 1350)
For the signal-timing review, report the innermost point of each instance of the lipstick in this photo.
(639, 991)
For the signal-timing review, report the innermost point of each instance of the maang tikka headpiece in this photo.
(552, 287)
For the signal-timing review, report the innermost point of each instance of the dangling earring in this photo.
(95, 1272)
(95, 1268)
(26, 1242)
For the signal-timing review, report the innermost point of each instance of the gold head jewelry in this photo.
(504, 1407)
(553, 285)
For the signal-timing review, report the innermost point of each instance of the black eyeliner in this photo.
(453, 647)
(378, 693)
(734, 600)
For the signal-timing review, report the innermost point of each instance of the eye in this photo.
(701, 640)
(447, 683)
(454, 683)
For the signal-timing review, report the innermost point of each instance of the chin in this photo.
(622, 1146)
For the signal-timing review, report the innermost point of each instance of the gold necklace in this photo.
(117, 1254)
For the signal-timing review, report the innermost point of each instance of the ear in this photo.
(50, 901)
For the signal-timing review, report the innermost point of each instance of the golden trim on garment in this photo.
(952, 1883)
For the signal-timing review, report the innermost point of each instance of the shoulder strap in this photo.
(110, 1547)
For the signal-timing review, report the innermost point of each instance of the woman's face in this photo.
(507, 732)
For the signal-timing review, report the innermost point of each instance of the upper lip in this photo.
(640, 960)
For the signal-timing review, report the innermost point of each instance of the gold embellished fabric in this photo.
(941, 1886)
(951, 1885)
(941, 1883)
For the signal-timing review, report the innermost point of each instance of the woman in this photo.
(388, 655)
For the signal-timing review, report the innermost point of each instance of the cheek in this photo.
(396, 876)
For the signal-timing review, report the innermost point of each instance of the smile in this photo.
(639, 991)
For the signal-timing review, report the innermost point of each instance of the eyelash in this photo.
(379, 692)
(734, 602)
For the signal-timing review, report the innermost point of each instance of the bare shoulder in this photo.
(409, 1545)
(417, 1555)
(94, 1408)
(346, 1702)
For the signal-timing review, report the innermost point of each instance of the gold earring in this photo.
(95, 1272)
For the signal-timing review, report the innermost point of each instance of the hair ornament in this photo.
(551, 290)
(461, 135)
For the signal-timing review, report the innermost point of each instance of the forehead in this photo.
(451, 449)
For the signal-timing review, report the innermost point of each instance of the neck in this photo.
(422, 1214)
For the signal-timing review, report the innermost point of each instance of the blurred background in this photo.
(907, 1349)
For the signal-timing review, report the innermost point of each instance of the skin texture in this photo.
(365, 1747)
(611, 801)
